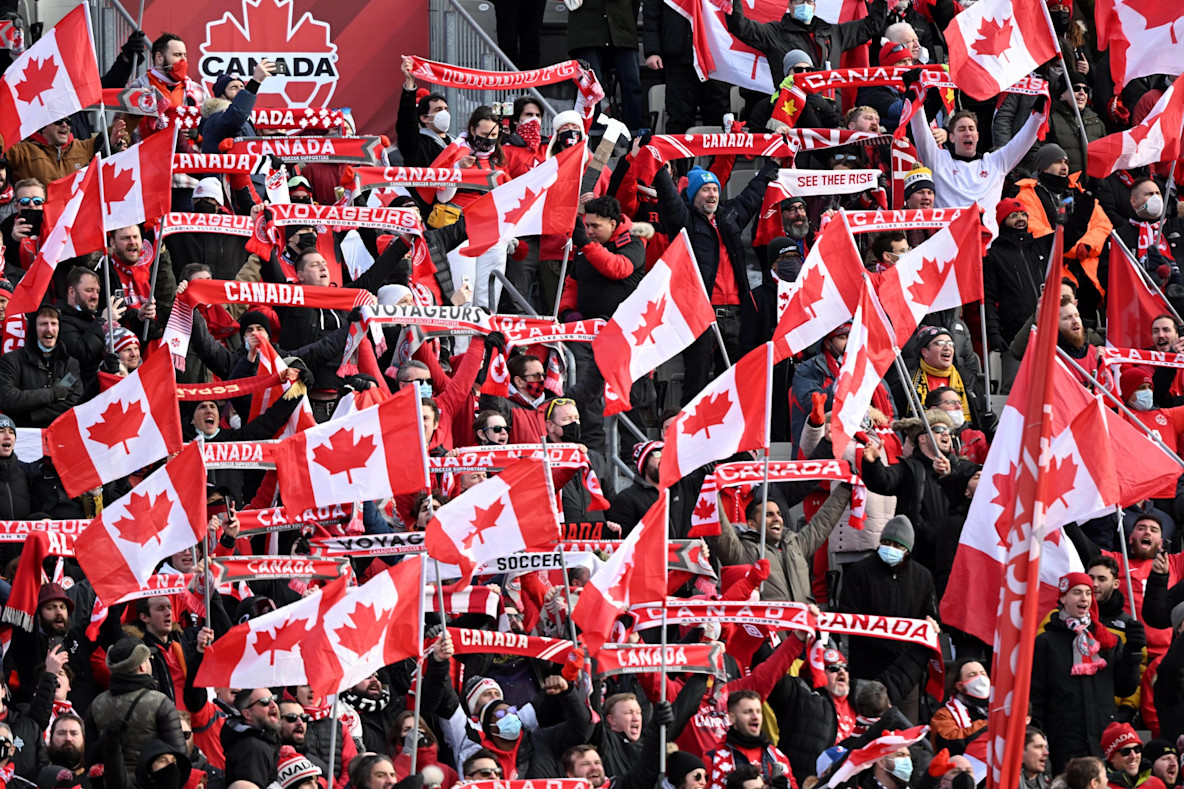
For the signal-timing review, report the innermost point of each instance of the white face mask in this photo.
(441, 121)
(1153, 207)
(1144, 400)
(958, 417)
(979, 687)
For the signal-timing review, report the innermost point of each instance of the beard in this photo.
(1074, 339)
(798, 230)
(65, 755)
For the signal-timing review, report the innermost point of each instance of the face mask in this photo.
(958, 417)
(892, 557)
(1153, 207)
(923, 55)
(1144, 400)
(571, 432)
(306, 241)
(568, 138)
(902, 768)
(788, 270)
(804, 13)
(482, 144)
(441, 121)
(1060, 21)
(167, 777)
(509, 727)
(179, 70)
(979, 687)
(1057, 183)
(205, 207)
(424, 388)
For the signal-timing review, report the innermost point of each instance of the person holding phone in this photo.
(84, 323)
(20, 231)
(229, 112)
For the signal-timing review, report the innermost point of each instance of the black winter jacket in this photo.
(631, 504)
(26, 378)
(16, 496)
(1169, 691)
(81, 332)
(252, 754)
(871, 586)
(665, 32)
(417, 149)
(599, 295)
(603, 23)
(809, 723)
(1013, 274)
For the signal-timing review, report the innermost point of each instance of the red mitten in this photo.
(760, 570)
(574, 665)
(940, 764)
(1118, 113)
(817, 408)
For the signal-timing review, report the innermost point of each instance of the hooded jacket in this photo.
(26, 378)
(148, 713)
(45, 162)
(607, 274)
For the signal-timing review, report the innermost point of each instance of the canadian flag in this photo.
(287, 646)
(943, 272)
(53, 79)
(1131, 305)
(512, 512)
(720, 55)
(825, 293)
(661, 318)
(371, 454)
(164, 514)
(541, 202)
(870, 352)
(996, 43)
(634, 574)
(270, 363)
(705, 516)
(730, 415)
(497, 376)
(1143, 37)
(137, 183)
(129, 426)
(72, 228)
(885, 745)
(1155, 139)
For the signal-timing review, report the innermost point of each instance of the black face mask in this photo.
(482, 144)
(167, 777)
(1057, 183)
(1060, 21)
(571, 432)
(205, 207)
(302, 200)
(306, 241)
(568, 138)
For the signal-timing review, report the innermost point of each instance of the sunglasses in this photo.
(1128, 750)
(266, 701)
(496, 429)
(940, 430)
(836, 669)
(25, 202)
(555, 403)
(486, 772)
(292, 717)
(802, 69)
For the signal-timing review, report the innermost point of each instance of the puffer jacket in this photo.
(1064, 131)
(224, 119)
(148, 712)
(252, 754)
(790, 558)
(607, 274)
(877, 507)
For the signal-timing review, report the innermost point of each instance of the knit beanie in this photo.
(641, 452)
(697, 178)
(679, 764)
(474, 687)
(794, 57)
(221, 83)
(1049, 153)
(1131, 379)
(899, 529)
(294, 768)
(918, 178)
(1177, 616)
(1006, 208)
(253, 318)
(1118, 735)
(127, 655)
(1158, 747)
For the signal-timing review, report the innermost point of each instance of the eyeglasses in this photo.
(836, 668)
(950, 404)
(943, 343)
(533, 377)
(1128, 750)
(486, 772)
(5, 741)
(25, 202)
(844, 157)
(266, 701)
(555, 403)
(292, 717)
(496, 429)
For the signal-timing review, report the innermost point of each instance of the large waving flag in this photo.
(870, 352)
(1143, 37)
(1131, 306)
(1156, 139)
(996, 43)
(138, 183)
(720, 55)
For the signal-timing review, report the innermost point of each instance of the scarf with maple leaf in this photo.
(953, 380)
(1150, 236)
(136, 280)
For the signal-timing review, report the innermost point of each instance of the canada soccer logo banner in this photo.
(269, 29)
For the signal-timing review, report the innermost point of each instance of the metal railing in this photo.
(612, 438)
(112, 25)
(458, 40)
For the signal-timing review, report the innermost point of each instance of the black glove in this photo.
(910, 78)
(1039, 104)
(663, 713)
(133, 49)
(495, 339)
(61, 391)
(779, 782)
(110, 363)
(1136, 636)
(433, 632)
(645, 139)
(355, 315)
(579, 234)
(360, 383)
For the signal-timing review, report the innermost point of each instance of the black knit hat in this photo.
(253, 318)
(679, 764)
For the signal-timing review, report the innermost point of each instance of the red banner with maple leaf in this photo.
(296, 118)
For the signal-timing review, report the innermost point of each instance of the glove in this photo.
(910, 78)
(1039, 104)
(663, 713)
(570, 316)
(360, 383)
(939, 765)
(433, 632)
(111, 363)
(817, 408)
(645, 139)
(579, 235)
(133, 48)
(355, 315)
(60, 391)
(779, 782)
(998, 343)
(573, 666)
(495, 339)
(1136, 636)
(1118, 113)
(760, 570)
(1082, 251)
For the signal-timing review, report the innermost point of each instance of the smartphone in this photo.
(33, 217)
(281, 68)
(54, 641)
(118, 294)
(69, 379)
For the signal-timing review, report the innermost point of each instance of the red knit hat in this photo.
(892, 53)
(1007, 207)
(1069, 580)
(1118, 735)
(1132, 378)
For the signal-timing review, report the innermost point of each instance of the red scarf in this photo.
(218, 321)
(136, 280)
(1148, 235)
(22, 602)
(423, 270)
(7, 194)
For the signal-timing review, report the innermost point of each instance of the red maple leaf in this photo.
(1141, 131)
(514, 215)
(710, 412)
(995, 38)
(1157, 13)
(360, 636)
(704, 510)
(116, 186)
(1004, 496)
(117, 425)
(810, 292)
(650, 320)
(483, 520)
(286, 637)
(929, 280)
(344, 454)
(144, 519)
(1061, 477)
(37, 80)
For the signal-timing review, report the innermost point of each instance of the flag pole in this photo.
(562, 274)
(982, 322)
(662, 728)
(105, 263)
(1069, 360)
(209, 580)
(333, 737)
(152, 284)
(423, 585)
(1147, 280)
(575, 644)
(1126, 563)
(765, 472)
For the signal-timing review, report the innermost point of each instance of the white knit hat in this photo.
(294, 768)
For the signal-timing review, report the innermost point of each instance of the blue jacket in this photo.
(224, 120)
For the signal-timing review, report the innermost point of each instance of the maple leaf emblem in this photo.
(144, 518)
(483, 520)
(1142, 131)
(360, 637)
(994, 38)
(704, 510)
(285, 639)
(651, 318)
(810, 291)
(928, 282)
(116, 187)
(344, 454)
(117, 425)
(1062, 479)
(710, 412)
(514, 215)
(37, 80)
(1157, 13)
(1004, 496)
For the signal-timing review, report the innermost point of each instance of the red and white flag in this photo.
(870, 352)
(634, 574)
(1131, 305)
(270, 363)
(1143, 37)
(885, 745)
(720, 55)
(705, 516)
(825, 293)
(1156, 139)
(375, 625)
(129, 426)
(164, 514)
(730, 415)
(287, 646)
(512, 512)
(137, 184)
(371, 454)
(541, 202)
(497, 376)
(660, 319)
(944, 272)
(53, 79)
(996, 43)
(72, 227)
